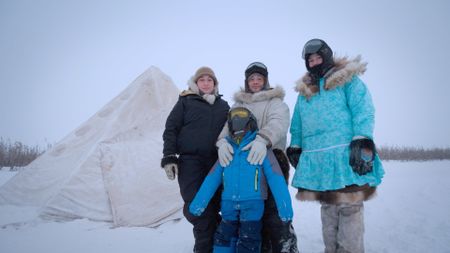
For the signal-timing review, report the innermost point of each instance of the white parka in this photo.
(270, 111)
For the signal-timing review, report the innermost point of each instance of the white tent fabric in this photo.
(108, 169)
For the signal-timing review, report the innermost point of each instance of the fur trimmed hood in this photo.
(342, 72)
(248, 98)
(193, 89)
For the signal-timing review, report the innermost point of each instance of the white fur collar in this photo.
(245, 97)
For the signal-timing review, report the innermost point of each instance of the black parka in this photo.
(193, 126)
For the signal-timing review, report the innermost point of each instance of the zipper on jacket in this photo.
(256, 179)
(223, 179)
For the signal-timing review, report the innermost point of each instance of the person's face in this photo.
(205, 84)
(314, 60)
(255, 82)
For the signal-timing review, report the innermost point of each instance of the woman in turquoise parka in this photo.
(332, 144)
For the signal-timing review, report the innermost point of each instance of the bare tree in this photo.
(17, 154)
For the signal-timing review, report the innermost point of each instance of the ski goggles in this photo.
(311, 47)
(239, 118)
(257, 64)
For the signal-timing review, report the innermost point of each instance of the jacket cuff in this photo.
(264, 139)
(295, 142)
(169, 159)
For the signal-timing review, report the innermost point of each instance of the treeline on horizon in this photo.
(16, 154)
(397, 153)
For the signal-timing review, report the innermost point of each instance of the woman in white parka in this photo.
(273, 119)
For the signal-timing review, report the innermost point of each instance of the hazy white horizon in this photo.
(62, 61)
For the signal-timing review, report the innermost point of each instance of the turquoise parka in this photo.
(325, 120)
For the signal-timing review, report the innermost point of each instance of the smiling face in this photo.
(206, 84)
(256, 82)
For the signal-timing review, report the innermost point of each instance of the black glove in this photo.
(362, 154)
(169, 159)
(293, 154)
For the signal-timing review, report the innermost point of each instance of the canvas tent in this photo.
(108, 169)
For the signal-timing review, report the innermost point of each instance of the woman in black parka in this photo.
(192, 128)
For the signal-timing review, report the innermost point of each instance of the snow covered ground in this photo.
(410, 214)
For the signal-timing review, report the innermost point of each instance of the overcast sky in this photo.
(61, 61)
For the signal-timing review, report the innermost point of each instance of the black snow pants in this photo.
(191, 173)
(278, 236)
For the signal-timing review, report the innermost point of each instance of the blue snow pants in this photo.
(240, 228)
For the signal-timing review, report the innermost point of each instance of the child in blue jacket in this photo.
(244, 190)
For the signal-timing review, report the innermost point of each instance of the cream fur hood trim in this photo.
(193, 89)
(248, 98)
(340, 74)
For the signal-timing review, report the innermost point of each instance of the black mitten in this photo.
(362, 154)
(293, 154)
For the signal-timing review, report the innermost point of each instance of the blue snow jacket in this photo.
(242, 181)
